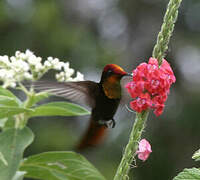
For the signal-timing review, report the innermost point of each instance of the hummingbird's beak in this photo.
(129, 74)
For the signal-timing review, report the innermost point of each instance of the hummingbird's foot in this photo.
(103, 123)
(110, 124)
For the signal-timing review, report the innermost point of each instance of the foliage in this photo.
(60, 166)
(68, 40)
(13, 143)
(59, 109)
(192, 173)
(16, 137)
(142, 116)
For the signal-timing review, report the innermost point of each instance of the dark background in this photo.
(92, 33)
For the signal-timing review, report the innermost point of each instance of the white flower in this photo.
(20, 65)
(54, 63)
(28, 53)
(3, 73)
(10, 74)
(66, 66)
(50, 58)
(17, 53)
(28, 76)
(9, 84)
(27, 66)
(79, 76)
(47, 64)
(66, 76)
(4, 60)
(38, 67)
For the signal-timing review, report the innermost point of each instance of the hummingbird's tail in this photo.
(93, 136)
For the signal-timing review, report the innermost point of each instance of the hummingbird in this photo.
(103, 98)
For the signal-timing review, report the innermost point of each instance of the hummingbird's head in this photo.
(113, 72)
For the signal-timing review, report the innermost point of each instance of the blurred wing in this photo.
(82, 92)
(94, 136)
(126, 98)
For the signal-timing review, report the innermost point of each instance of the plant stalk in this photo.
(159, 53)
(132, 146)
(166, 31)
(22, 119)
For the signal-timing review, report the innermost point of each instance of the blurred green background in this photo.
(92, 33)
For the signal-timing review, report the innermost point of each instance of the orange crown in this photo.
(115, 69)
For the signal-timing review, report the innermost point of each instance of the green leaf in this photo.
(40, 96)
(19, 175)
(196, 155)
(7, 123)
(8, 101)
(13, 143)
(189, 174)
(6, 111)
(10, 123)
(60, 166)
(3, 122)
(59, 109)
(2, 159)
(35, 98)
(5, 92)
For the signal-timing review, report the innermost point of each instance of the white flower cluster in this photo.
(27, 66)
(65, 75)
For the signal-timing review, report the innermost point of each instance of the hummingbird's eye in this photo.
(109, 71)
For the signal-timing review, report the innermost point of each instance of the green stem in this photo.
(159, 53)
(166, 30)
(132, 146)
(22, 119)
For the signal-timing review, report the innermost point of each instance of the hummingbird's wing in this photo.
(82, 92)
(94, 135)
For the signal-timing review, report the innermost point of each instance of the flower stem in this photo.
(22, 119)
(166, 30)
(132, 146)
(159, 53)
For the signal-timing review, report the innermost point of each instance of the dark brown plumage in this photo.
(103, 97)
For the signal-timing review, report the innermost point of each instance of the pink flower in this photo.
(143, 102)
(150, 86)
(135, 88)
(159, 109)
(144, 150)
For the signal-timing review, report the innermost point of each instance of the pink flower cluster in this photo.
(150, 86)
(144, 149)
